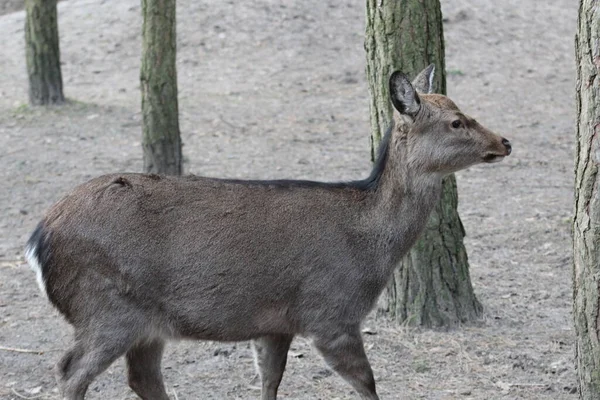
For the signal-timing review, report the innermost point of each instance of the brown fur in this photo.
(440, 101)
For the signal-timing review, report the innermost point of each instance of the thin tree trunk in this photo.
(160, 127)
(586, 224)
(432, 286)
(43, 53)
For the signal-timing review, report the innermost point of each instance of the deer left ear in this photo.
(403, 95)
(423, 82)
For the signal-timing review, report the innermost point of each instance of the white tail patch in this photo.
(34, 264)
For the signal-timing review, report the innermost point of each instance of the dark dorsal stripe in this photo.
(370, 183)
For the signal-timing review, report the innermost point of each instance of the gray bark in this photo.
(160, 115)
(586, 223)
(43, 53)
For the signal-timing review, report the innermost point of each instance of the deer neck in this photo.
(404, 192)
(402, 200)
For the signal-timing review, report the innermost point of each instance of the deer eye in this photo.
(456, 124)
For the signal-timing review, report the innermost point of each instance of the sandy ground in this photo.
(272, 89)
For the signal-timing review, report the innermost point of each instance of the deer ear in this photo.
(404, 97)
(423, 82)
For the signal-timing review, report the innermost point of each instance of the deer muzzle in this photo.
(498, 155)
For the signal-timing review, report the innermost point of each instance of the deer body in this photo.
(132, 260)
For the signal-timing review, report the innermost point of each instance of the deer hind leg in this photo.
(343, 350)
(89, 357)
(270, 355)
(143, 366)
(103, 333)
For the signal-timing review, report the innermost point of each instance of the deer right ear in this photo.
(423, 82)
(403, 95)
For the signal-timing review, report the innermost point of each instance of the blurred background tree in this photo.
(43, 53)
(161, 138)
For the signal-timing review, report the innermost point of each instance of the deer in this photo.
(135, 260)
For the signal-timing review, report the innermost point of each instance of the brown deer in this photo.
(134, 260)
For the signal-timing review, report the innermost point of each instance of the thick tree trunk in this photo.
(586, 226)
(43, 53)
(160, 127)
(432, 286)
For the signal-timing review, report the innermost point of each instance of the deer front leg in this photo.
(343, 350)
(270, 355)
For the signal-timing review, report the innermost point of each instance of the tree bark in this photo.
(432, 286)
(43, 53)
(586, 223)
(160, 115)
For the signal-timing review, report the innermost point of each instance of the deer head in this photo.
(438, 136)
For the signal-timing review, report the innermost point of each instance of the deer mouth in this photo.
(493, 158)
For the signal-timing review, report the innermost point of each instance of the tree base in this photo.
(431, 287)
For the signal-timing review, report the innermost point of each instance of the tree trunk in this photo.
(160, 127)
(43, 53)
(432, 286)
(586, 223)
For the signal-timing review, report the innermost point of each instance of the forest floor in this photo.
(272, 89)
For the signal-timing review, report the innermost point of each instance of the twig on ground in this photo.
(529, 384)
(25, 397)
(10, 263)
(18, 350)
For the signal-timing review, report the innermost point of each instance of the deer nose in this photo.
(507, 146)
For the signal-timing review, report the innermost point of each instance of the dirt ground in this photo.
(273, 89)
(8, 6)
